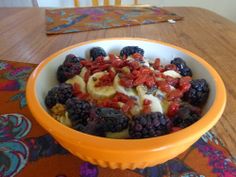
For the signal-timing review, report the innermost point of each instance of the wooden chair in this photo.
(105, 2)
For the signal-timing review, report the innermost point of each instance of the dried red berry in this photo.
(156, 64)
(174, 94)
(171, 67)
(173, 109)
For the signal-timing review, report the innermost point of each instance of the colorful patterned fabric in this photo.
(28, 150)
(95, 18)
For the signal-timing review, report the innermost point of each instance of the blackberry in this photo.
(94, 126)
(130, 50)
(70, 67)
(71, 58)
(187, 115)
(58, 94)
(78, 111)
(97, 52)
(182, 67)
(104, 120)
(67, 71)
(198, 92)
(113, 120)
(149, 125)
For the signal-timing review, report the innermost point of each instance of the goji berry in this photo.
(171, 67)
(146, 109)
(117, 63)
(150, 82)
(174, 94)
(137, 56)
(134, 65)
(86, 63)
(146, 102)
(156, 64)
(86, 75)
(163, 86)
(161, 68)
(184, 83)
(128, 83)
(171, 81)
(140, 80)
(76, 89)
(172, 109)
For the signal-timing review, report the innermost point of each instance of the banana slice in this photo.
(172, 73)
(142, 90)
(118, 135)
(155, 103)
(121, 89)
(83, 71)
(64, 119)
(99, 92)
(77, 80)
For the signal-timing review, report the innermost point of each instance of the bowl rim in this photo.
(155, 143)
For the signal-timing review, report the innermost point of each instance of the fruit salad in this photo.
(126, 95)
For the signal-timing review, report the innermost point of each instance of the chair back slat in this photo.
(105, 2)
(76, 3)
(95, 2)
(117, 2)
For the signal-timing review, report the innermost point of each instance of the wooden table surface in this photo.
(23, 38)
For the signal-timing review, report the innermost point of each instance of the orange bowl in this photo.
(125, 153)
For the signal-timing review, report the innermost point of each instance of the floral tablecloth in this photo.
(28, 150)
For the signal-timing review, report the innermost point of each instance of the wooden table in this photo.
(23, 38)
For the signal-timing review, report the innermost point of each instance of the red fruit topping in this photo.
(146, 71)
(86, 63)
(171, 67)
(146, 109)
(128, 83)
(134, 65)
(120, 97)
(174, 94)
(184, 83)
(161, 68)
(106, 79)
(99, 59)
(118, 63)
(112, 57)
(159, 75)
(78, 93)
(137, 56)
(172, 81)
(172, 109)
(128, 105)
(86, 75)
(140, 80)
(136, 73)
(146, 102)
(76, 89)
(96, 69)
(150, 82)
(156, 64)
(163, 86)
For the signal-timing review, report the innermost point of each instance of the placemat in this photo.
(28, 150)
(69, 20)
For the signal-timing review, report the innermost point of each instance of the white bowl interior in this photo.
(47, 77)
